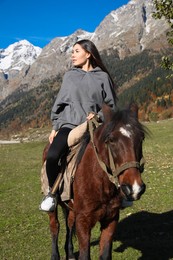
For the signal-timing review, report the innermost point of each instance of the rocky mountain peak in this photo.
(130, 29)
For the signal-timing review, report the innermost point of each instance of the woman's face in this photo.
(79, 56)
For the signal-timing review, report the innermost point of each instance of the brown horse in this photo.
(108, 171)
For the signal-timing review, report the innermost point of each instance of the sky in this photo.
(40, 21)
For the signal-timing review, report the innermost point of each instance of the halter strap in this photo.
(92, 125)
(124, 166)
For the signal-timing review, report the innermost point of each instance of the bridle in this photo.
(112, 171)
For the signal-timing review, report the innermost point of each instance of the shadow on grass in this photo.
(150, 233)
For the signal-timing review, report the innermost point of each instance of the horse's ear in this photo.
(133, 107)
(107, 112)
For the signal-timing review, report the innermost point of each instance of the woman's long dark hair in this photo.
(95, 58)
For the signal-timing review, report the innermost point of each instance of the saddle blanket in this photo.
(74, 143)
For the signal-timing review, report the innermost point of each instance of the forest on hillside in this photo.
(141, 79)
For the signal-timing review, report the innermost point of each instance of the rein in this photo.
(115, 171)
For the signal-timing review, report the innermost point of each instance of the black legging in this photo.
(58, 147)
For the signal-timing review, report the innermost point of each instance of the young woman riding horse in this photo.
(109, 170)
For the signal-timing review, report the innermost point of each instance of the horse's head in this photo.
(124, 135)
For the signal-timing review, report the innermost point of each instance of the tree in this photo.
(164, 8)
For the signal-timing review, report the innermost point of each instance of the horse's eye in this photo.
(112, 139)
(143, 137)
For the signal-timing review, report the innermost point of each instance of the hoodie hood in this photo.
(96, 69)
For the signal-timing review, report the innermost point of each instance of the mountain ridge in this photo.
(129, 30)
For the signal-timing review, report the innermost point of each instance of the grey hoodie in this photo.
(81, 92)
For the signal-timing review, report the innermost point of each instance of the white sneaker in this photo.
(48, 204)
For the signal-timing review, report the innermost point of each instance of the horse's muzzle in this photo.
(132, 192)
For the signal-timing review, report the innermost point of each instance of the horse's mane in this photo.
(119, 118)
(123, 118)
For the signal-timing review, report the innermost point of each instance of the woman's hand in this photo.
(52, 135)
(90, 115)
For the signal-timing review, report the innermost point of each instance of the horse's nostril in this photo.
(126, 189)
(143, 188)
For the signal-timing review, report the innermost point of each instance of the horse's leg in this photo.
(107, 235)
(70, 220)
(54, 230)
(83, 230)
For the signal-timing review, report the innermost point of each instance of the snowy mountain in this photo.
(16, 56)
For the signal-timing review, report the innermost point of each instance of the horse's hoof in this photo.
(55, 257)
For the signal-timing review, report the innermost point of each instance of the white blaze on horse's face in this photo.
(125, 131)
(135, 190)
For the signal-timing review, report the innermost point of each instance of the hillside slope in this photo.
(139, 78)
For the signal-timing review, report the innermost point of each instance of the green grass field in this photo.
(145, 231)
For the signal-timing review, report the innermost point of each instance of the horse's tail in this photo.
(67, 209)
(45, 151)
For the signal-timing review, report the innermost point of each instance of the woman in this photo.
(84, 89)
